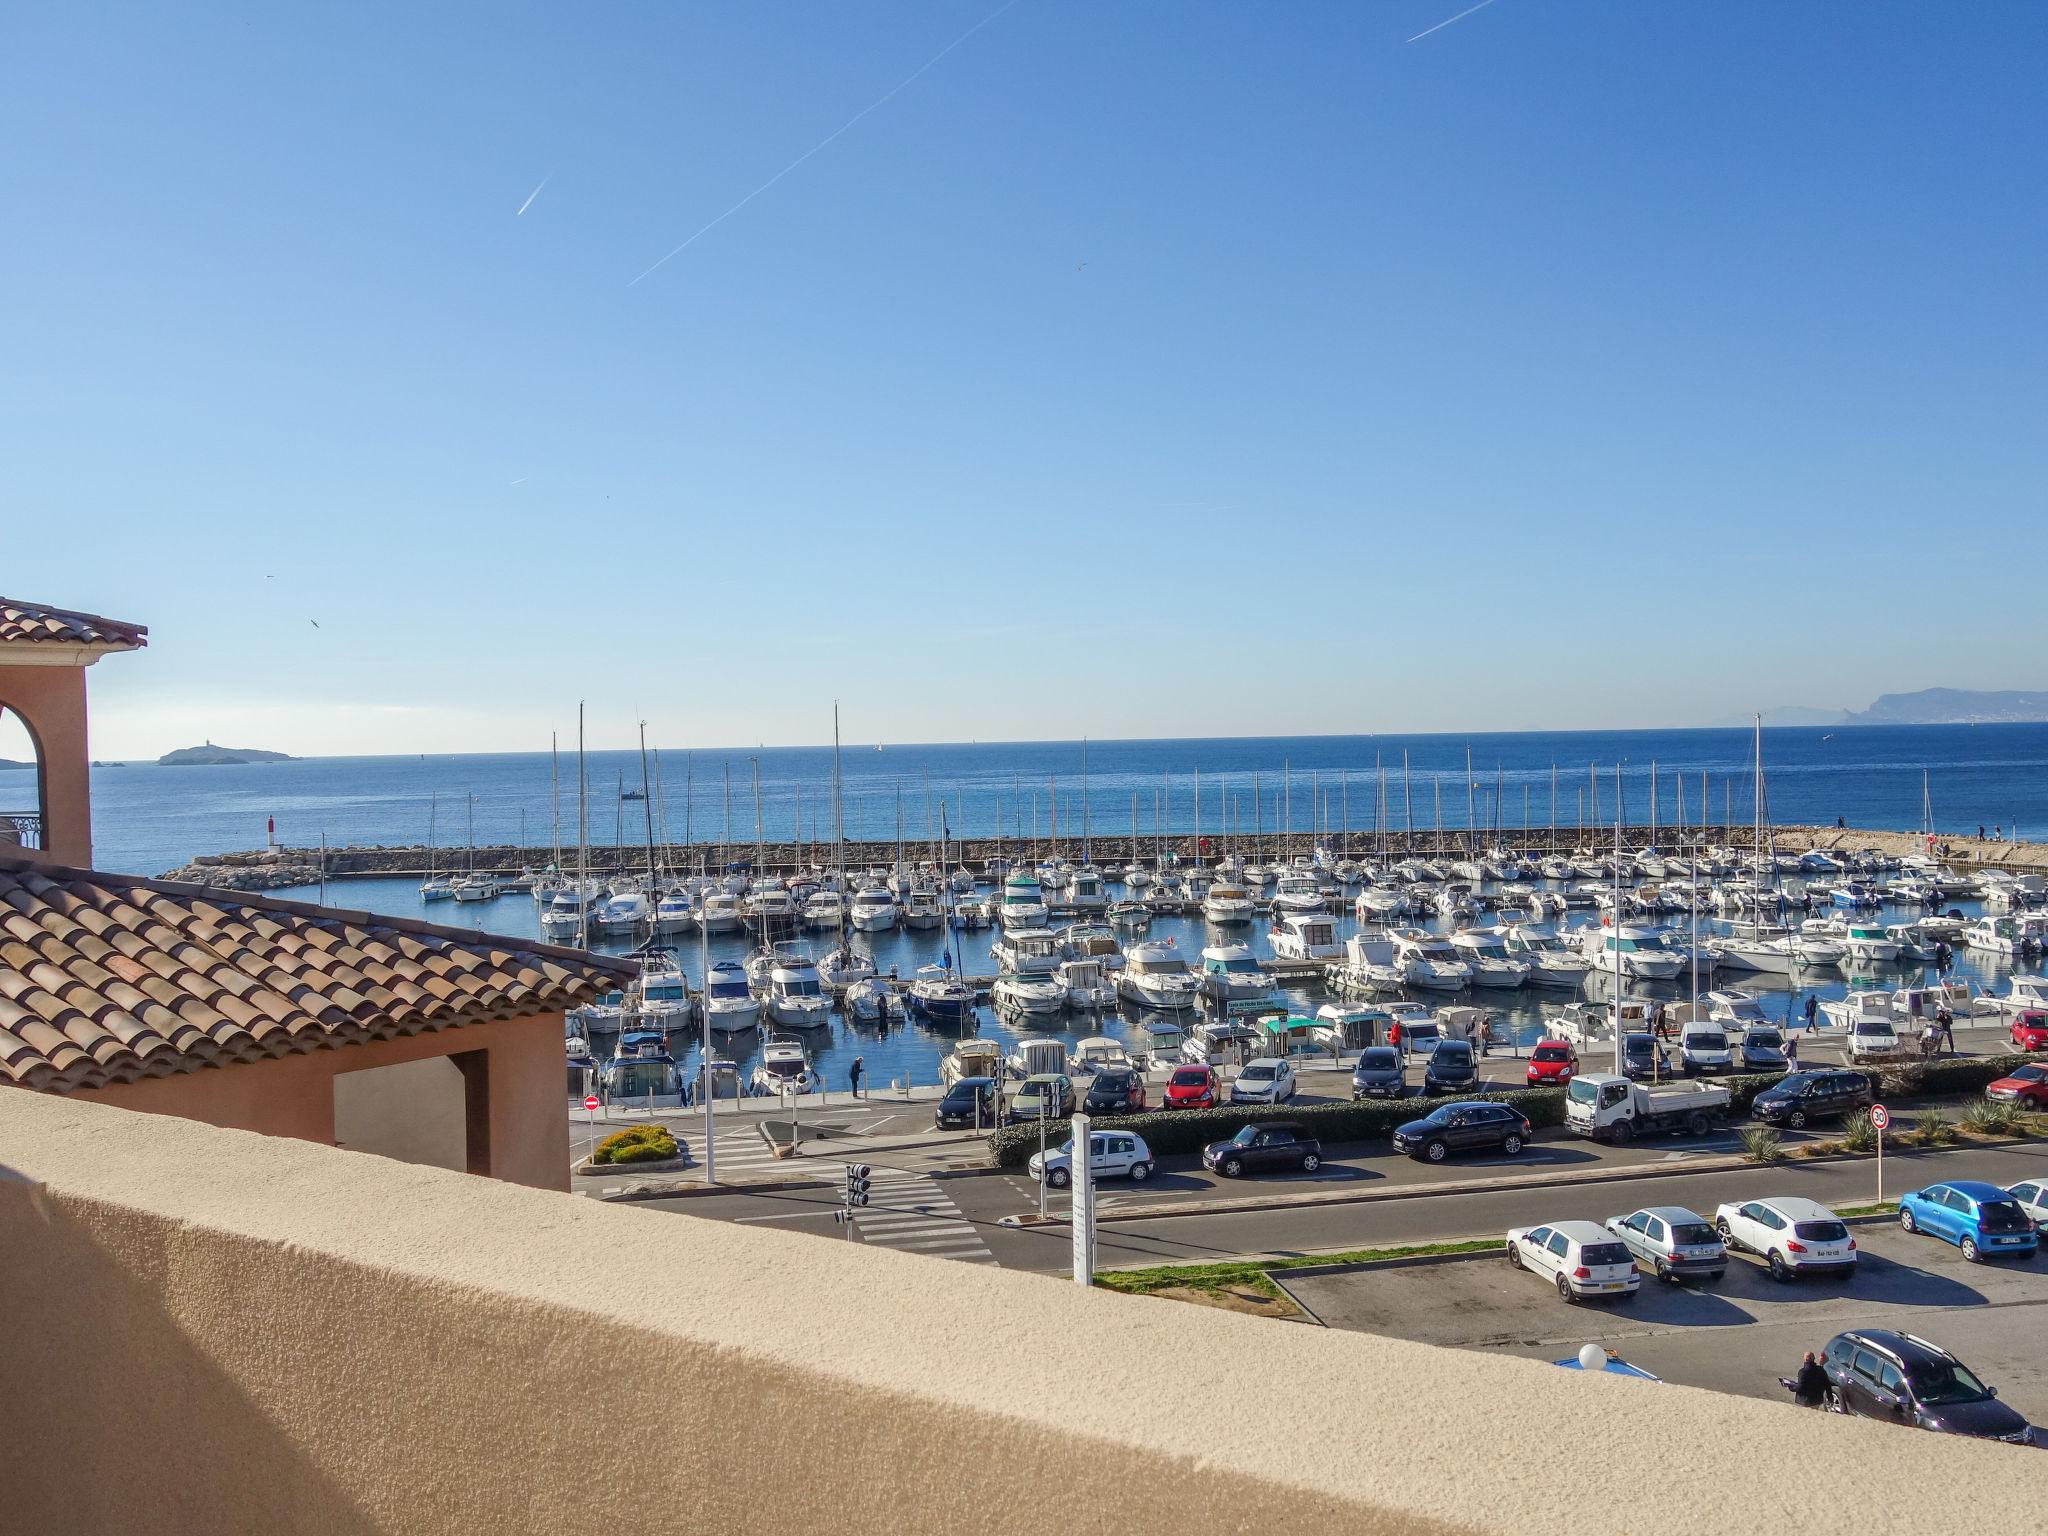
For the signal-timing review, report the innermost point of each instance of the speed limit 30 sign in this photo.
(1880, 1117)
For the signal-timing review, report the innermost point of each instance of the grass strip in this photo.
(1253, 1272)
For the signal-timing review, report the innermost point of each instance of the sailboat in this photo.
(472, 886)
(846, 968)
(434, 887)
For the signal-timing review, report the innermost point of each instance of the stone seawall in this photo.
(268, 869)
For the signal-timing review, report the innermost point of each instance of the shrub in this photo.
(1990, 1117)
(1190, 1130)
(1932, 1128)
(637, 1144)
(1859, 1135)
(1761, 1144)
(1947, 1076)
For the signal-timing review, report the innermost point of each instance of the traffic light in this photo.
(857, 1183)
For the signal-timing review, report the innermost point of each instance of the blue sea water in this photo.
(149, 819)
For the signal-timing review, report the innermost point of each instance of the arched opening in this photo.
(21, 784)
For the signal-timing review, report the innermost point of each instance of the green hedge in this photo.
(1189, 1130)
(638, 1144)
(1962, 1074)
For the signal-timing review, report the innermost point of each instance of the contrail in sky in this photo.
(534, 193)
(827, 140)
(1418, 37)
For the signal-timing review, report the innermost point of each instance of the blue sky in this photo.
(1137, 369)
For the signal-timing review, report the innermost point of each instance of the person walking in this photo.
(1810, 1385)
(1945, 1023)
(1792, 1052)
(853, 1075)
(1812, 1007)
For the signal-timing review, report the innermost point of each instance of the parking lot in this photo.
(1988, 1314)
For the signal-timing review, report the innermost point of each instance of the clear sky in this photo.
(1139, 368)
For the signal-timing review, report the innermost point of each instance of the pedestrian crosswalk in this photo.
(913, 1213)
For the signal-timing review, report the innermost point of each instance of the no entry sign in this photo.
(590, 1102)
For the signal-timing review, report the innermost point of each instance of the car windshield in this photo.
(1820, 1231)
(1706, 1039)
(1257, 1073)
(1937, 1382)
(1112, 1082)
(1764, 1040)
(1603, 1253)
(1380, 1058)
(1692, 1232)
(1582, 1092)
(1453, 1053)
(1639, 1045)
(1548, 1053)
(1246, 1136)
(1189, 1077)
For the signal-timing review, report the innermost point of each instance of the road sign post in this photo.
(1082, 1183)
(1880, 1117)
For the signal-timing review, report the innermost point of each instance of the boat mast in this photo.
(582, 833)
(760, 842)
(1407, 805)
(1471, 815)
(1614, 938)
(647, 817)
(555, 794)
(433, 810)
(1084, 800)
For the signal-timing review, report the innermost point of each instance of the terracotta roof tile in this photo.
(37, 624)
(107, 978)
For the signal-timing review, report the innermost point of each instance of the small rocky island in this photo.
(211, 756)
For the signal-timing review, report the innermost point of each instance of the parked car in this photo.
(1800, 1098)
(1703, 1048)
(1673, 1242)
(1761, 1049)
(1263, 1080)
(1467, 1125)
(1981, 1219)
(1642, 1056)
(1264, 1146)
(1055, 1090)
(1451, 1068)
(1114, 1090)
(2030, 1031)
(1581, 1258)
(1875, 1373)
(1552, 1061)
(2026, 1084)
(969, 1101)
(1793, 1235)
(1380, 1074)
(1192, 1087)
(1111, 1155)
(2032, 1195)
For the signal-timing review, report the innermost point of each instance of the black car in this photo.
(1451, 1068)
(1379, 1074)
(1642, 1056)
(970, 1101)
(1799, 1098)
(1263, 1146)
(1464, 1126)
(1877, 1374)
(1114, 1090)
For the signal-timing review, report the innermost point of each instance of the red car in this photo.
(2028, 1085)
(1193, 1088)
(1552, 1061)
(2030, 1031)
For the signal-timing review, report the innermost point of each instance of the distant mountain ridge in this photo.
(210, 756)
(1926, 706)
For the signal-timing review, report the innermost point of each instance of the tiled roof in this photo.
(34, 624)
(108, 978)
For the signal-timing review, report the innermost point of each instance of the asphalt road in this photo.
(1988, 1314)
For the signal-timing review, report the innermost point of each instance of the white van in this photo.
(1703, 1048)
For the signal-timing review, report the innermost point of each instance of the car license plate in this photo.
(1610, 1285)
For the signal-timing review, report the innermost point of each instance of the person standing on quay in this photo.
(853, 1076)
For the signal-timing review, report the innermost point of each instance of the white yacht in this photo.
(873, 910)
(796, 994)
(476, 888)
(1026, 951)
(1485, 950)
(1088, 985)
(1220, 1042)
(1641, 950)
(844, 967)
(1032, 994)
(771, 910)
(1377, 903)
(1231, 974)
(1869, 941)
(1305, 936)
(1086, 893)
(1023, 902)
(1297, 892)
(664, 1001)
(1551, 962)
(1429, 962)
(729, 1003)
(922, 910)
(1856, 1008)
(623, 916)
(1227, 904)
(674, 913)
(1156, 975)
(825, 912)
(436, 888)
(1093, 941)
(1369, 966)
(721, 912)
(785, 1068)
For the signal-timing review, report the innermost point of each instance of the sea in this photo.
(150, 819)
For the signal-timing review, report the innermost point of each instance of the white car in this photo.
(1582, 1258)
(1672, 1242)
(2033, 1199)
(1263, 1080)
(1111, 1155)
(1792, 1234)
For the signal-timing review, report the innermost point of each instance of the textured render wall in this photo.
(51, 702)
(294, 1095)
(213, 1331)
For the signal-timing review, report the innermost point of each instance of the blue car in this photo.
(1981, 1219)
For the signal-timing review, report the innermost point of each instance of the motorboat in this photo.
(1086, 893)
(1220, 1042)
(721, 912)
(1368, 967)
(1340, 1027)
(1641, 951)
(1847, 1012)
(2024, 994)
(1227, 904)
(1099, 1053)
(675, 913)
(843, 966)
(1297, 892)
(1156, 975)
(1092, 941)
(642, 1074)
(1231, 974)
(1305, 936)
(1131, 916)
(1915, 944)
(940, 996)
(1026, 951)
(2011, 936)
(825, 912)
(1737, 1009)
(868, 1001)
(1412, 1027)
(971, 1058)
(1429, 963)
(1869, 942)
(1088, 985)
(623, 915)
(797, 995)
(785, 1067)
(771, 911)
(872, 910)
(663, 992)
(1023, 902)
(1485, 950)
(729, 1002)
(1029, 994)
(922, 909)
(1037, 1057)
(1551, 962)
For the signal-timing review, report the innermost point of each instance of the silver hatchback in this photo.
(1672, 1243)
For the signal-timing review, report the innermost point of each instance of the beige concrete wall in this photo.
(294, 1095)
(212, 1331)
(51, 702)
(411, 1110)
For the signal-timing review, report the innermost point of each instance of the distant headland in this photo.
(211, 756)
(1929, 706)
